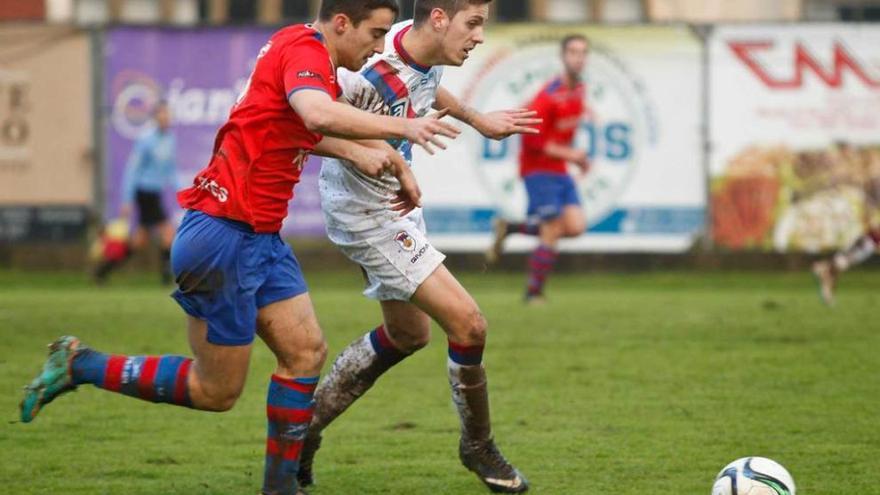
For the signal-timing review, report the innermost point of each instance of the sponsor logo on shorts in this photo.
(405, 241)
(419, 255)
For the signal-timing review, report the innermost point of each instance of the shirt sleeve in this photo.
(360, 93)
(306, 65)
(542, 104)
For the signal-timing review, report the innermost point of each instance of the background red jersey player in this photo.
(554, 209)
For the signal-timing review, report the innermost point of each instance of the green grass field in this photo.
(624, 384)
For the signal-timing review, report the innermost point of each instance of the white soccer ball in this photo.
(753, 476)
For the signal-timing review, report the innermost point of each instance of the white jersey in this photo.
(391, 83)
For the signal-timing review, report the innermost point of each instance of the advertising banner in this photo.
(795, 135)
(200, 74)
(646, 189)
(45, 117)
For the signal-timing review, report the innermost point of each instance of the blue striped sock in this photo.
(289, 408)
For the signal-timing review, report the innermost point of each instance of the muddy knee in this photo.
(470, 329)
(409, 340)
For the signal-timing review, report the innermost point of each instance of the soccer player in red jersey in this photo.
(236, 277)
(554, 208)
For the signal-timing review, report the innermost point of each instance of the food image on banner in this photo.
(200, 83)
(795, 136)
(645, 190)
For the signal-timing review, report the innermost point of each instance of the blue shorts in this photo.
(225, 272)
(549, 194)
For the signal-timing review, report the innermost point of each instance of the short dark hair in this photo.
(573, 37)
(356, 10)
(422, 9)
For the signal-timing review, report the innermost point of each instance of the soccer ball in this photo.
(753, 476)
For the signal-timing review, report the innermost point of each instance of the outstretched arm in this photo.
(493, 125)
(324, 116)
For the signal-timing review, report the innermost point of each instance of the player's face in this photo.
(574, 58)
(464, 32)
(163, 117)
(358, 43)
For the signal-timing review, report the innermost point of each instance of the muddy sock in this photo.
(355, 370)
(471, 398)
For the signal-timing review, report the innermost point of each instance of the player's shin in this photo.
(355, 370)
(467, 377)
(289, 407)
(150, 378)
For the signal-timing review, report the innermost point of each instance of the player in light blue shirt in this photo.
(150, 170)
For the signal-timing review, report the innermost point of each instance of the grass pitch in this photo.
(625, 384)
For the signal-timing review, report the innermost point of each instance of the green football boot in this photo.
(54, 380)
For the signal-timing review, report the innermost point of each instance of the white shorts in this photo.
(396, 257)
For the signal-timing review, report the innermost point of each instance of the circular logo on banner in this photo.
(617, 128)
(134, 97)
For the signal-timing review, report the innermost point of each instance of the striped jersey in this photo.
(390, 83)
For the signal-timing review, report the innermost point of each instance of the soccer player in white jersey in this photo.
(404, 272)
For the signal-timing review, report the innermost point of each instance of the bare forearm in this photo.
(333, 147)
(558, 151)
(446, 100)
(341, 120)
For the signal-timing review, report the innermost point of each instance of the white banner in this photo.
(795, 134)
(646, 190)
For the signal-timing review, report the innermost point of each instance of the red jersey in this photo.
(260, 150)
(562, 108)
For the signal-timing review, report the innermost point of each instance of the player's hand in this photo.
(374, 162)
(505, 123)
(424, 131)
(409, 197)
(125, 210)
(580, 158)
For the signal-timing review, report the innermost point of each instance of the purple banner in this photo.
(199, 72)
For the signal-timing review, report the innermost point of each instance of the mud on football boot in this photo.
(54, 380)
(484, 459)
(305, 476)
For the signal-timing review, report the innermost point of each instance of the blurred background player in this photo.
(404, 272)
(151, 170)
(236, 277)
(827, 271)
(554, 210)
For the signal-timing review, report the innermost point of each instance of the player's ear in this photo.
(341, 22)
(439, 20)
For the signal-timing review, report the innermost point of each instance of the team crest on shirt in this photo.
(405, 241)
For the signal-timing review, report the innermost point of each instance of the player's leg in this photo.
(165, 231)
(443, 298)
(222, 317)
(554, 199)
(211, 382)
(828, 271)
(502, 229)
(290, 329)
(406, 329)
(288, 325)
